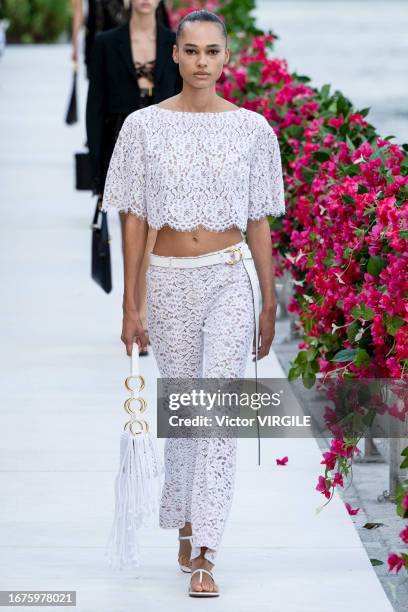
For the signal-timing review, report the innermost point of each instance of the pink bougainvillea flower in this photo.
(395, 562)
(357, 118)
(404, 502)
(338, 479)
(336, 122)
(350, 510)
(282, 461)
(404, 535)
(329, 460)
(338, 446)
(322, 487)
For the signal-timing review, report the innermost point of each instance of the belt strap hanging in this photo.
(253, 277)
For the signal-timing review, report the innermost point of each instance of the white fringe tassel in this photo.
(138, 485)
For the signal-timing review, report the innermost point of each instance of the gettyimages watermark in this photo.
(276, 407)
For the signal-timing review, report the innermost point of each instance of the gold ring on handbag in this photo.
(141, 380)
(128, 405)
(144, 427)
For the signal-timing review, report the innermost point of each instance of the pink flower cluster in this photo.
(340, 454)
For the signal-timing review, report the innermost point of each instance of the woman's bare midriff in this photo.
(170, 242)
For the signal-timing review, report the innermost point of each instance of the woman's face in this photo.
(202, 48)
(144, 7)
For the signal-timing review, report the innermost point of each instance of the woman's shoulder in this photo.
(138, 117)
(255, 117)
(261, 125)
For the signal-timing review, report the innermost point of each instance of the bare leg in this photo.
(185, 546)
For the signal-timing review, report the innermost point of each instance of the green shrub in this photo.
(36, 21)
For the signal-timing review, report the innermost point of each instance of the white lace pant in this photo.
(201, 324)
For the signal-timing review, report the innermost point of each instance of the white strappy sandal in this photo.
(202, 593)
(186, 568)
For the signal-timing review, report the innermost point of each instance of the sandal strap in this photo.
(200, 569)
(186, 538)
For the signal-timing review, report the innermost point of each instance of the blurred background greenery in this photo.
(36, 21)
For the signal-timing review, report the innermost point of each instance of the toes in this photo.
(206, 585)
(197, 586)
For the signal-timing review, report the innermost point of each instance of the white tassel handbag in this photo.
(139, 480)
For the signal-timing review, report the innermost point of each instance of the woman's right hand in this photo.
(132, 331)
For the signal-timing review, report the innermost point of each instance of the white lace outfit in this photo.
(185, 170)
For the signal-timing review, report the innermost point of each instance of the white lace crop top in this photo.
(189, 169)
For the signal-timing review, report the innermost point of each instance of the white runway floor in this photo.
(62, 370)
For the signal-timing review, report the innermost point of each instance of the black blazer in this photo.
(113, 87)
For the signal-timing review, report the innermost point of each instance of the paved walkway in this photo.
(62, 367)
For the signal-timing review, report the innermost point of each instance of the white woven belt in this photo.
(230, 256)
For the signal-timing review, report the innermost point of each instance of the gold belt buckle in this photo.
(234, 261)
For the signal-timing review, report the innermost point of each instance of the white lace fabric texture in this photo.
(191, 169)
(201, 324)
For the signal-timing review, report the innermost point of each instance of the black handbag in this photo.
(101, 259)
(72, 111)
(83, 172)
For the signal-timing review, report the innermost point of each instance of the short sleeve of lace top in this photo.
(266, 190)
(192, 169)
(126, 177)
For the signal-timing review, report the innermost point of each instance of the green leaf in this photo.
(362, 189)
(311, 354)
(362, 357)
(404, 464)
(352, 330)
(393, 324)
(365, 111)
(347, 199)
(321, 155)
(361, 311)
(344, 355)
(301, 357)
(376, 562)
(308, 174)
(325, 91)
(294, 373)
(366, 313)
(375, 265)
(254, 70)
(295, 131)
(348, 170)
(302, 78)
(343, 105)
(309, 380)
(350, 143)
(373, 525)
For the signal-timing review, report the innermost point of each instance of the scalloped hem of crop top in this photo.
(197, 227)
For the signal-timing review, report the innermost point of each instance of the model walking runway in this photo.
(200, 178)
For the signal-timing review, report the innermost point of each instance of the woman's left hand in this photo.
(266, 331)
